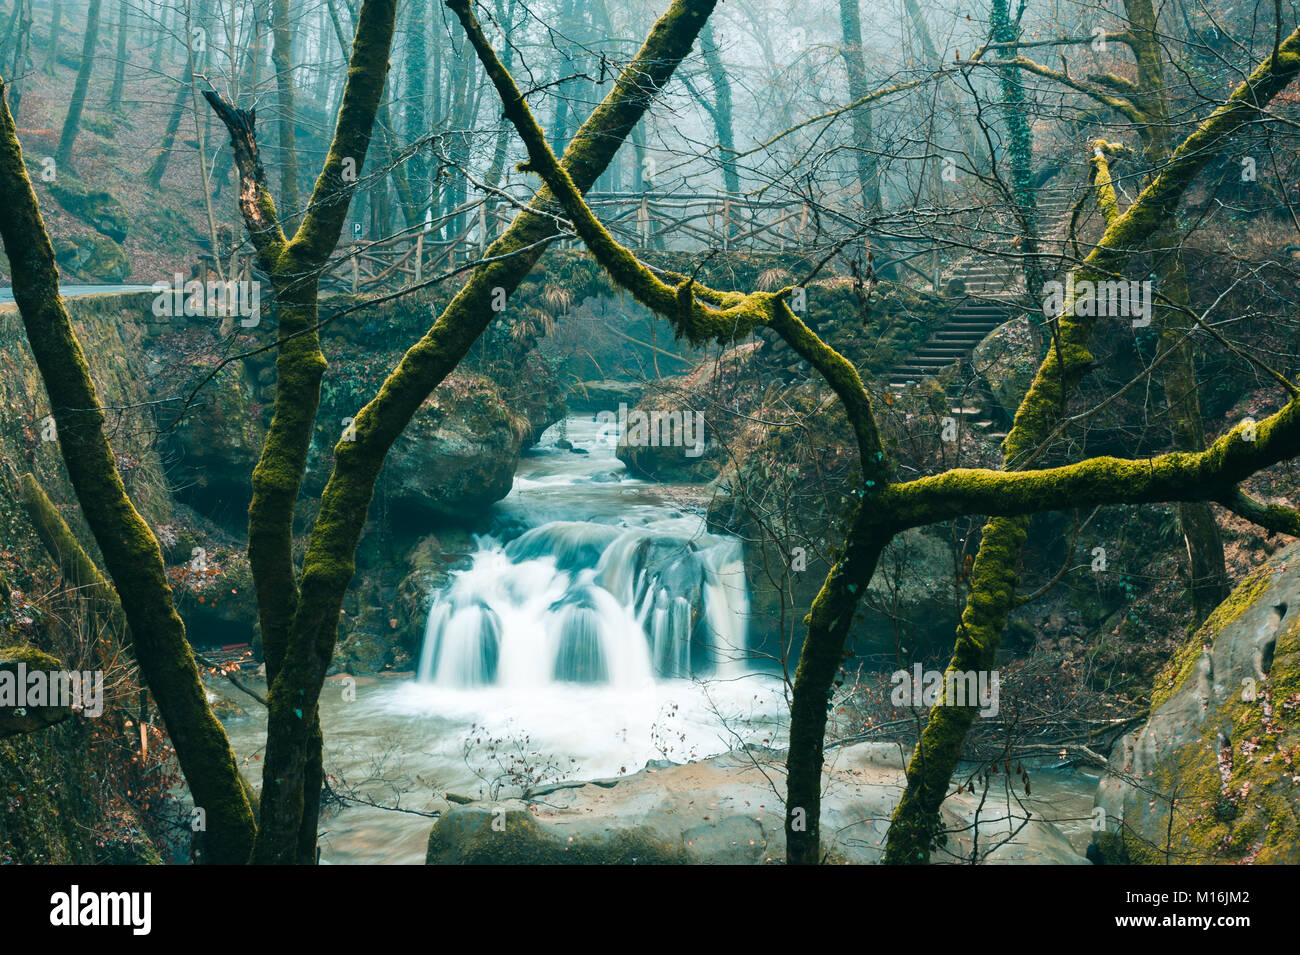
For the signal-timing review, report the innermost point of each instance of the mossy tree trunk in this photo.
(71, 124)
(131, 553)
(329, 563)
(293, 265)
(1020, 146)
(915, 826)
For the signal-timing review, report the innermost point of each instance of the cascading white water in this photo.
(635, 593)
(583, 602)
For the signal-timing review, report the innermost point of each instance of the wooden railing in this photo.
(646, 221)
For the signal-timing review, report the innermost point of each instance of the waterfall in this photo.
(588, 603)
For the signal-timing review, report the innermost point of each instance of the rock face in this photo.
(98, 209)
(1006, 362)
(217, 443)
(725, 811)
(27, 719)
(458, 455)
(1214, 774)
(96, 257)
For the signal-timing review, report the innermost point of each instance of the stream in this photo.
(569, 635)
(598, 626)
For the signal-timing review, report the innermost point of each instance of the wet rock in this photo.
(479, 834)
(725, 810)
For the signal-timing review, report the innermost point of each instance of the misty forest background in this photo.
(857, 207)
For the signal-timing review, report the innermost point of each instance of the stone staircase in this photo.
(994, 286)
(967, 326)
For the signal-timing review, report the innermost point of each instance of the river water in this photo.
(599, 626)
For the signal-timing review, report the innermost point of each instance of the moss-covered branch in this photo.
(1177, 476)
(1119, 104)
(1271, 517)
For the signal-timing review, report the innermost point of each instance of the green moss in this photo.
(1181, 665)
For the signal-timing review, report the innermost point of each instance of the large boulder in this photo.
(98, 209)
(17, 664)
(458, 455)
(1214, 775)
(729, 810)
(94, 257)
(1007, 362)
(490, 835)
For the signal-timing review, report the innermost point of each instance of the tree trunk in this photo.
(819, 663)
(863, 139)
(119, 67)
(158, 168)
(975, 150)
(1020, 148)
(131, 553)
(22, 53)
(413, 112)
(723, 125)
(56, 27)
(63, 156)
(282, 57)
